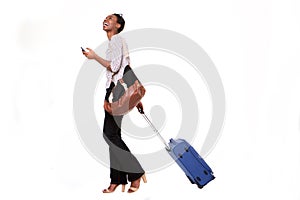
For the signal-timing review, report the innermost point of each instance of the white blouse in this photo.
(117, 53)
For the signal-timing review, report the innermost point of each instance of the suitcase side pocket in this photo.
(201, 160)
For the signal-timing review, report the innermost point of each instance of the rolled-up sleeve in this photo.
(116, 51)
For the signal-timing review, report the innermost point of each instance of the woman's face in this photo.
(110, 23)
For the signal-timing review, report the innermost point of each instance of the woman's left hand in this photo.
(140, 107)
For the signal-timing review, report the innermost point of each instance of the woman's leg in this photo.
(111, 131)
(122, 162)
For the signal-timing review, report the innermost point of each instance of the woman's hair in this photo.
(121, 21)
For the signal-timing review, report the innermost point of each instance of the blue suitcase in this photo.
(193, 165)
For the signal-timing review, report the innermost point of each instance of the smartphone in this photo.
(82, 49)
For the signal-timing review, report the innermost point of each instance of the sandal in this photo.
(136, 184)
(112, 188)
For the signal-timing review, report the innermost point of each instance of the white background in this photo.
(254, 45)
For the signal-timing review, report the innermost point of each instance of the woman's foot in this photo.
(112, 188)
(136, 184)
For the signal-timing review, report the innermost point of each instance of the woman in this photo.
(123, 165)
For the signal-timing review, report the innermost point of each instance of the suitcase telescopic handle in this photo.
(154, 129)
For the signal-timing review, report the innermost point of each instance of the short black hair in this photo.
(121, 21)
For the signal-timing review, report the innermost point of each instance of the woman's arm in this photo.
(116, 50)
(92, 55)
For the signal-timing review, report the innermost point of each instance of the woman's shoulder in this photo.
(117, 38)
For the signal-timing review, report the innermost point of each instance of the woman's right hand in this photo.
(89, 54)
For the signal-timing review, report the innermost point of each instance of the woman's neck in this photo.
(110, 34)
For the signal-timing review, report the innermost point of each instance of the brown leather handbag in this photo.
(126, 94)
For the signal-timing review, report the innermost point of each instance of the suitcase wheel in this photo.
(186, 149)
(191, 180)
(200, 186)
